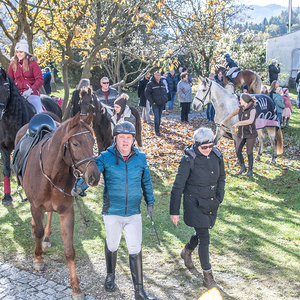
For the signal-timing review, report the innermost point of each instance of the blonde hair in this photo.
(278, 89)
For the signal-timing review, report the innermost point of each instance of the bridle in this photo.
(76, 172)
(92, 105)
(208, 91)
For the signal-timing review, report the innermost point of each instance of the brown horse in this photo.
(57, 161)
(246, 76)
(101, 123)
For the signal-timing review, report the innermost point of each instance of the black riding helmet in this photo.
(124, 127)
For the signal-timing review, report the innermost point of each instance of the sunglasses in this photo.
(105, 82)
(206, 147)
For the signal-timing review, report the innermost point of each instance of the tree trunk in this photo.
(65, 68)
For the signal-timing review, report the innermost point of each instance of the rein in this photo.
(203, 100)
(77, 174)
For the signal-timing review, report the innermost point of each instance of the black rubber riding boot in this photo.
(136, 267)
(111, 261)
(242, 164)
(250, 163)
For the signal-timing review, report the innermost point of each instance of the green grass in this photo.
(256, 236)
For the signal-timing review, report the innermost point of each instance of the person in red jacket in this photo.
(27, 74)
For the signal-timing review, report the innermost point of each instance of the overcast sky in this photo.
(285, 3)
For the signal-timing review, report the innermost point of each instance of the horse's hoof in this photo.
(39, 266)
(78, 296)
(7, 199)
(257, 158)
(46, 245)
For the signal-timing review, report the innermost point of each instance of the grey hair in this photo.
(204, 135)
(84, 82)
(273, 61)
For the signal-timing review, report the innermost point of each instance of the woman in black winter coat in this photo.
(84, 82)
(201, 180)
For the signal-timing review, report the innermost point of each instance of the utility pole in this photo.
(290, 15)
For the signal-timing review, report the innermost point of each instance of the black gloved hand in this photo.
(278, 65)
(150, 210)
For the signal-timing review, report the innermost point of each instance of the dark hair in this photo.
(184, 69)
(162, 73)
(183, 74)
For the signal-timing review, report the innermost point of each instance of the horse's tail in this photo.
(138, 126)
(279, 141)
(256, 86)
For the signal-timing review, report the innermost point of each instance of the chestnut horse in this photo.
(247, 76)
(101, 123)
(57, 162)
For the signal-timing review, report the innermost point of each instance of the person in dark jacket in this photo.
(47, 81)
(210, 110)
(106, 94)
(201, 180)
(126, 175)
(143, 102)
(75, 107)
(219, 79)
(172, 84)
(273, 71)
(298, 88)
(233, 67)
(156, 93)
(246, 130)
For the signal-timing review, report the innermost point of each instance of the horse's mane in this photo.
(17, 105)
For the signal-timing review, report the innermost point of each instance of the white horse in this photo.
(225, 102)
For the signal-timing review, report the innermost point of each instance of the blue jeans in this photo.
(171, 103)
(210, 112)
(157, 111)
(279, 118)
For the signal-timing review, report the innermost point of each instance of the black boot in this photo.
(111, 261)
(242, 164)
(136, 267)
(250, 163)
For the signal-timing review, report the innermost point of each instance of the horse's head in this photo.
(78, 149)
(4, 91)
(87, 101)
(203, 94)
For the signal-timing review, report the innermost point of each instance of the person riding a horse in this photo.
(27, 74)
(122, 111)
(233, 67)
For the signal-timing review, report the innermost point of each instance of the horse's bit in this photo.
(203, 100)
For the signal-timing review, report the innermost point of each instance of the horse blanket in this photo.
(266, 112)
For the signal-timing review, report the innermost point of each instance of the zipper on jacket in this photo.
(126, 187)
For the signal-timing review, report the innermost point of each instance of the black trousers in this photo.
(201, 238)
(185, 109)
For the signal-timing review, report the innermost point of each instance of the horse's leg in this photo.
(273, 139)
(38, 217)
(7, 199)
(220, 132)
(67, 229)
(261, 139)
(46, 243)
(32, 223)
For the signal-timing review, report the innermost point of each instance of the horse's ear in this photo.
(89, 119)
(75, 120)
(207, 81)
(4, 74)
(201, 78)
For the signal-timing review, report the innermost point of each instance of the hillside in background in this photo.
(258, 13)
(273, 23)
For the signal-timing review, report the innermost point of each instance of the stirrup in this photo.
(23, 200)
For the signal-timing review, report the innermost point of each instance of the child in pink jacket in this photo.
(288, 107)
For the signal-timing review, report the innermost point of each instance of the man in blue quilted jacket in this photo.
(126, 176)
